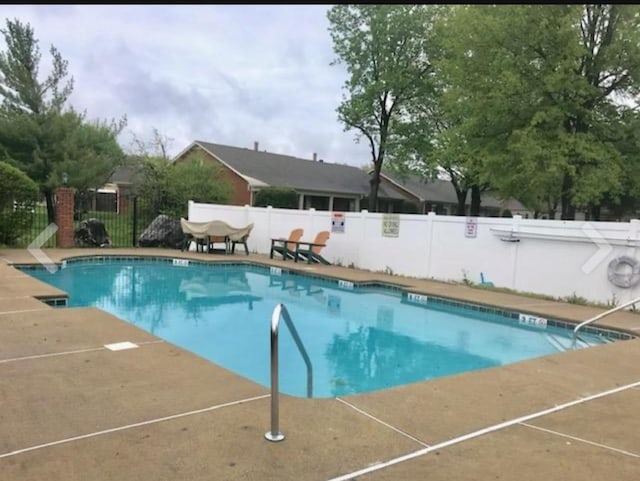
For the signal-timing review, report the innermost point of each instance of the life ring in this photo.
(622, 276)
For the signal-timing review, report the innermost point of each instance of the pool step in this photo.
(553, 340)
(564, 344)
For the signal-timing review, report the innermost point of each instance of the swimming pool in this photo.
(359, 339)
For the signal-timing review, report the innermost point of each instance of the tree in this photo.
(544, 94)
(18, 196)
(385, 50)
(167, 188)
(91, 154)
(23, 94)
(157, 147)
(50, 145)
(37, 133)
(430, 143)
(19, 67)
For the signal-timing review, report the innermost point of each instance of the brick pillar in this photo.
(124, 194)
(65, 197)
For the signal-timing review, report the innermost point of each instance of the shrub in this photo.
(167, 188)
(197, 181)
(18, 196)
(507, 213)
(278, 197)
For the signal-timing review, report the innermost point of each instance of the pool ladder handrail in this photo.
(280, 311)
(574, 337)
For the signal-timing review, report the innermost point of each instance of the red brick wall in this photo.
(240, 194)
(64, 216)
(124, 196)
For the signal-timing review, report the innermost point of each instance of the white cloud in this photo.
(226, 74)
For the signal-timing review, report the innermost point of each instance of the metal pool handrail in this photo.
(281, 311)
(598, 317)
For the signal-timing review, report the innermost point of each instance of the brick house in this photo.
(327, 186)
(320, 185)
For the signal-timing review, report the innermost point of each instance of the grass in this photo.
(38, 225)
(572, 299)
(119, 227)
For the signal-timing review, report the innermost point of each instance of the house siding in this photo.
(240, 193)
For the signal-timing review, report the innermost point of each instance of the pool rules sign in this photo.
(390, 225)
(471, 227)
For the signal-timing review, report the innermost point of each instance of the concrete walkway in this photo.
(74, 410)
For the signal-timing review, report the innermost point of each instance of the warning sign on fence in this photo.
(337, 222)
(471, 227)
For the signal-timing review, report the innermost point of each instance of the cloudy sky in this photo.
(225, 74)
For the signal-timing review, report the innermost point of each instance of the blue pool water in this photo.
(359, 340)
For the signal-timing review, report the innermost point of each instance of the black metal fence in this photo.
(110, 219)
(103, 219)
(37, 232)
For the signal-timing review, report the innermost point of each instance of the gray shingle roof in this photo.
(126, 174)
(437, 190)
(488, 200)
(287, 171)
(440, 190)
(389, 191)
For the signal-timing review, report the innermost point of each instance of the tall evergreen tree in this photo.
(38, 132)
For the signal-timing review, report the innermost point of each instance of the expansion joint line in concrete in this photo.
(20, 311)
(582, 440)
(380, 421)
(66, 353)
(130, 426)
(481, 432)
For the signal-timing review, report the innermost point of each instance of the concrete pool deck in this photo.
(72, 409)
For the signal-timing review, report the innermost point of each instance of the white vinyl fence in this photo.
(557, 258)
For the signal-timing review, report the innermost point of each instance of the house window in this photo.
(390, 206)
(439, 209)
(316, 202)
(342, 204)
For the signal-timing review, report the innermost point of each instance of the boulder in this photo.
(91, 233)
(164, 231)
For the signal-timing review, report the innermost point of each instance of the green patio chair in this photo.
(286, 247)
